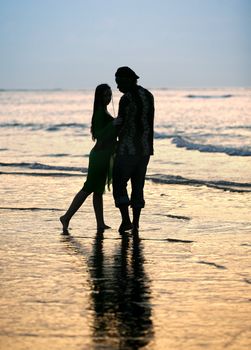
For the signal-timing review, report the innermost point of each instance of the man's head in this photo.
(126, 79)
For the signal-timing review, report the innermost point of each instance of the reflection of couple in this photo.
(134, 130)
(120, 294)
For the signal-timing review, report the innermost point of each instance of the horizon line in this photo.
(152, 88)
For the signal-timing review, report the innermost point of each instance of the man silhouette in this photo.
(135, 145)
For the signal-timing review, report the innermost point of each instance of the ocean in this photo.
(185, 284)
(201, 137)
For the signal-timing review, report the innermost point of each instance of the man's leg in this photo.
(136, 216)
(126, 224)
(121, 174)
(137, 196)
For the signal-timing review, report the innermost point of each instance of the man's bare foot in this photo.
(65, 224)
(125, 226)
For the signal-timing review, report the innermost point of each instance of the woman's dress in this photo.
(100, 158)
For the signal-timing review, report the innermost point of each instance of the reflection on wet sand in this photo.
(120, 294)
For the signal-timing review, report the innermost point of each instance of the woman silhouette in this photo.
(103, 131)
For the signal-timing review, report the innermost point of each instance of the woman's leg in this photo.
(99, 212)
(78, 200)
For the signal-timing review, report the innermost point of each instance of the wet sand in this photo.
(184, 284)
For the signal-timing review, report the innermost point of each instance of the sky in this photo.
(77, 44)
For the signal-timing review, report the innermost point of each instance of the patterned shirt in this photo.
(136, 108)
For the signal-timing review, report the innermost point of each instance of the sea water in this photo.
(184, 284)
(199, 135)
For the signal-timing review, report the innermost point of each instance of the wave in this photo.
(245, 127)
(62, 126)
(231, 151)
(41, 126)
(40, 166)
(30, 209)
(162, 135)
(21, 125)
(56, 155)
(56, 127)
(212, 264)
(220, 184)
(209, 96)
(64, 171)
(62, 155)
(33, 90)
(44, 174)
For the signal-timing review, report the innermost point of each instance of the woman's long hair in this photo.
(98, 103)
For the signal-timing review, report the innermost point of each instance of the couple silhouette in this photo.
(121, 153)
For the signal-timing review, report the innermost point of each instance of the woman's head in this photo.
(103, 96)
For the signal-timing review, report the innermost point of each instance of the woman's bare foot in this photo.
(106, 227)
(102, 228)
(65, 223)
